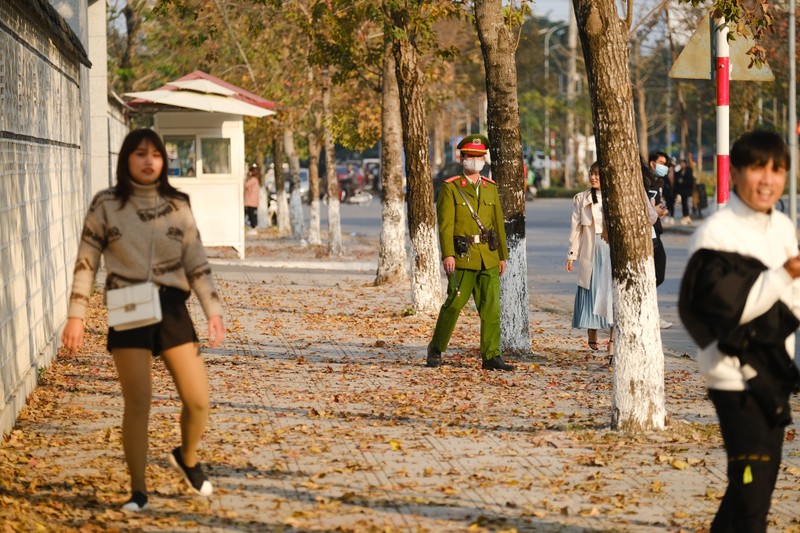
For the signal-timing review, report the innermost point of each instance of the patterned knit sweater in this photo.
(124, 237)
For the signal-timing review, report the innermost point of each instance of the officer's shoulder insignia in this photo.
(490, 180)
(451, 180)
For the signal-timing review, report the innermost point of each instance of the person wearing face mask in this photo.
(654, 175)
(474, 254)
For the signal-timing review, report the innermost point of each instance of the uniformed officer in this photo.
(474, 252)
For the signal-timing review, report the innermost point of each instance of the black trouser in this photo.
(251, 213)
(686, 197)
(754, 456)
(660, 260)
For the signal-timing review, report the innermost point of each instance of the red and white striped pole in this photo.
(723, 74)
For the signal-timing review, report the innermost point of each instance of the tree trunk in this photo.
(263, 195)
(426, 281)
(280, 187)
(295, 202)
(133, 21)
(334, 217)
(638, 382)
(314, 237)
(570, 167)
(641, 101)
(699, 163)
(684, 148)
(392, 257)
(438, 133)
(498, 43)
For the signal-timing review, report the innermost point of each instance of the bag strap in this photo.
(152, 242)
(472, 211)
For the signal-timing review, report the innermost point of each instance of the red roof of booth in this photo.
(199, 90)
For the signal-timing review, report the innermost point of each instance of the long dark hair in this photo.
(122, 189)
(595, 165)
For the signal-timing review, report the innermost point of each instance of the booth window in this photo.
(216, 154)
(181, 155)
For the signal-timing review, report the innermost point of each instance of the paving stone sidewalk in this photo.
(325, 419)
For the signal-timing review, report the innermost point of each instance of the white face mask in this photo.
(661, 170)
(473, 165)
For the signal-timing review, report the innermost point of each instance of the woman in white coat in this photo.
(589, 255)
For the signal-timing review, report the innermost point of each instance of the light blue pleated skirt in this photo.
(583, 312)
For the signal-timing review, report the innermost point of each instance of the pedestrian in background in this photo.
(588, 247)
(653, 175)
(251, 193)
(474, 253)
(740, 301)
(143, 228)
(685, 183)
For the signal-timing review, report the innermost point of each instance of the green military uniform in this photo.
(476, 272)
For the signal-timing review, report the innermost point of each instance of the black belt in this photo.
(475, 239)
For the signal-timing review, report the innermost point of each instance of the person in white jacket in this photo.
(589, 251)
(740, 301)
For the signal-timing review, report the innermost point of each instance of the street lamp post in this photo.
(547, 141)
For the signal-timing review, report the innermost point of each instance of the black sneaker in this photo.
(496, 363)
(136, 503)
(193, 476)
(434, 358)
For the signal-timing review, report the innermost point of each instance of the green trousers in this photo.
(484, 287)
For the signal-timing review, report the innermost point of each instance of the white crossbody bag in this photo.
(137, 305)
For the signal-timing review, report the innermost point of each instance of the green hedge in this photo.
(558, 192)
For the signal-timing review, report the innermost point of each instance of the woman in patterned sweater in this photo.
(144, 226)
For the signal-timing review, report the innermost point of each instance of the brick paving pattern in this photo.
(325, 419)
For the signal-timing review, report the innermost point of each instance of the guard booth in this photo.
(200, 118)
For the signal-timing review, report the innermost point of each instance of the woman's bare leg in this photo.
(134, 371)
(188, 371)
(593, 339)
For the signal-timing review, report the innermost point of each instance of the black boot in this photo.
(496, 363)
(434, 357)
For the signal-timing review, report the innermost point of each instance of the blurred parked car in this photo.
(450, 169)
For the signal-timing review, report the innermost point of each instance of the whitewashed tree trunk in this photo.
(515, 330)
(296, 216)
(638, 382)
(284, 223)
(295, 204)
(426, 288)
(314, 237)
(392, 257)
(280, 188)
(498, 43)
(263, 204)
(334, 217)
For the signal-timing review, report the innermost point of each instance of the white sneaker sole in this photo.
(132, 507)
(206, 490)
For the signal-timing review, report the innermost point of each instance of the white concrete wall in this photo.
(43, 193)
(98, 97)
(118, 128)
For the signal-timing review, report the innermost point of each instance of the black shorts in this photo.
(175, 328)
